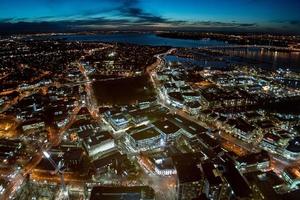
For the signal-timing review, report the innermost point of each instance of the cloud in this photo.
(294, 22)
(123, 14)
(130, 9)
(141, 16)
(6, 20)
(293, 25)
(247, 24)
(24, 27)
(232, 24)
(287, 22)
(126, 13)
(140, 21)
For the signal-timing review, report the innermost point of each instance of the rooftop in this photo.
(166, 126)
(212, 143)
(254, 158)
(210, 173)
(294, 145)
(176, 95)
(145, 134)
(187, 168)
(241, 124)
(95, 138)
(84, 111)
(237, 182)
(187, 125)
(265, 182)
(293, 172)
(125, 193)
(101, 162)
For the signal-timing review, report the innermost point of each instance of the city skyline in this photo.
(237, 16)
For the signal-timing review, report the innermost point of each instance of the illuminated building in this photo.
(110, 161)
(169, 130)
(33, 124)
(189, 175)
(144, 137)
(292, 151)
(253, 162)
(98, 142)
(292, 176)
(132, 193)
(117, 121)
(163, 166)
(212, 180)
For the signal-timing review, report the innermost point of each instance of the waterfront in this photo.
(141, 39)
(265, 57)
(261, 57)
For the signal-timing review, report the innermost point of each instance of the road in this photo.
(16, 183)
(164, 186)
(278, 163)
(185, 115)
(19, 179)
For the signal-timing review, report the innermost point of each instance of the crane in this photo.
(58, 170)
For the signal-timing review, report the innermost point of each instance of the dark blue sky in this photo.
(235, 15)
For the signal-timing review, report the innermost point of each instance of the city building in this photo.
(111, 161)
(265, 184)
(213, 183)
(117, 120)
(292, 176)
(98, 142)
(190, 128)
(163, 166)
(241, 129)
(3, 185)
(83, 113)
(34, 124)
(132, 193)
(167, 129)
(175, 99)
(240, 188)
(270, 142)
(253, 162)
(192, 107)
(144, 137)
(9, 151)
(292, 151)
(189, 176)
(71, 159)
(139, 117)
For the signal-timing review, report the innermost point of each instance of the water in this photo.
(188, 62)
(259, 57)
(271, 59)
(142, 39)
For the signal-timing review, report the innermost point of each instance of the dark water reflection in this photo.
(142, 39)
(267, 58)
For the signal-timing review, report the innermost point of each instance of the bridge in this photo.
(251, 46)
(94, 80)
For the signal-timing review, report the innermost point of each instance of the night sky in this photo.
(220, 15)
